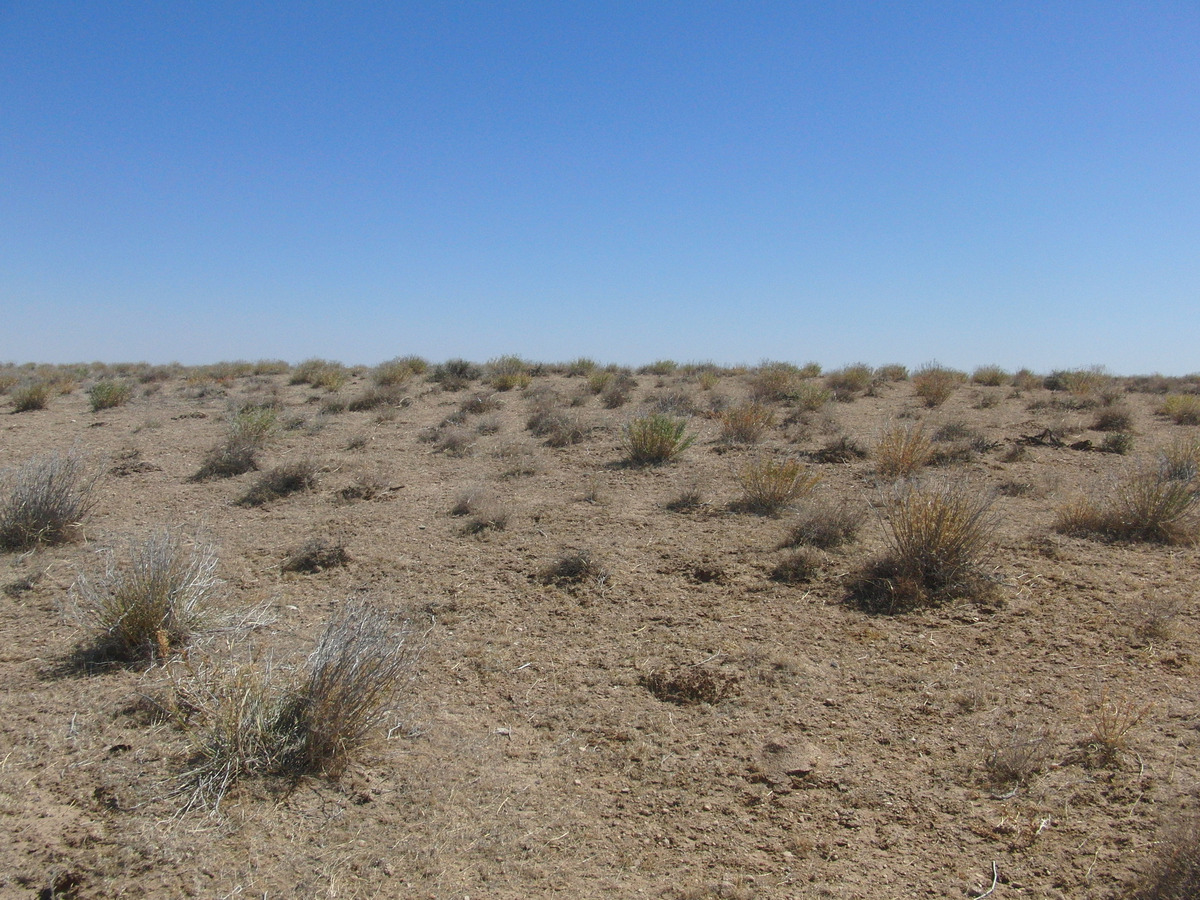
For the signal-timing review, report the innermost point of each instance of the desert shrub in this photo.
(290, 478)
(315, 555)
(479, 403)
(774, 381)
(846, 382)
(1014, 758)
(1181, 460)
(559, 427)
(840, 449)
(1113, 418)
(1145, 505)
(938, 534)
(393, 372)
(659, 367)
(1182, 409)
(990, 376)
(455, 374)
(809, 397)
(934, 384)
(153, 603)
(708, 380)
(618, 390)
(484, 511)
(768, 485)
(454, 441)
(1113, 720)
(673, 403)
(903, 449)
(108, 394)
(31, 396)
(690, 497)
(1174, 873)
(1119, 442)
(746, 424)
(892, 372)
(598, 381)
(505, 373)
(1026, 380)
(271, 367)
(375, 397)
(45, 499)
(322, 373)
(690, 684)
(249, 429)
(826, 524)
(251, 722)
(1079, 382)
(655, 439)
(798, 567)
(582, 365)
(573, 567)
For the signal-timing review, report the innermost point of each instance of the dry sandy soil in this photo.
(845, 755)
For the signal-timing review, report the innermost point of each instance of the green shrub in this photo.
(395, 372)
(152, 604)
(768, 485)
(108, 394)
(655, 439)
(938, 534)
(249, 430)
(774, 381)
(45, 500)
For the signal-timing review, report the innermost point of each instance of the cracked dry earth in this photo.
(673, 724)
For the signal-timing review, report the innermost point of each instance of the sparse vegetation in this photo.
(249, 430)
(1175, 869)
(289, 478)
(1182, 409)
(316, 555)
(825, 523)
(45, 500)
(934, 384)
(1144, 505)
(692, 684)
(903, 449)
(990, 376)
(768, 484)
(32, 396)
(574, 567)
(746, 424)
(1014, 758)
(152, 604)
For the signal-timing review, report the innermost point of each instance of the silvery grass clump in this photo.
(255, 720)
(45, 500)
(152, 603)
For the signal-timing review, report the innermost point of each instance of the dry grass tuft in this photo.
(939, 532)
(152, 604)
(573, 567)
(826, 524)
(45, 500)
(1014, 758)
(768, 485)
(290, 478)
(1146, 505)
(690, 685)
(747, 423)
(315, 555)
(1182, 409)
(903, 449)
(798, 567)
(249, 430)
(934, 384)
(32, 396)
(1181, 460)
(1112, 721)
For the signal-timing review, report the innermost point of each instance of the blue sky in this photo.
(969, 182)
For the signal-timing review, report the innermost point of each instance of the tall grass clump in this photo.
(938, 536)
(259, 721)
(903, 449)
(151, 604)
(109, 393)
(45, 500)
(768, 485)
(656, 439)
(1147, 505)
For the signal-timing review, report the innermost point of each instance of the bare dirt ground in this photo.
(845, 755)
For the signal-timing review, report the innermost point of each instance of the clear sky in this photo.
(1015, 183)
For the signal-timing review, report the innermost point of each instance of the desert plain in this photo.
(626, 679)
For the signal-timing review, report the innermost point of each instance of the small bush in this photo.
(485, 512)
(455, 442)
(903, 449)
(315, 555)
(290, 478)
(45, 500)
(826, 524)
(934, 384)
(656, 439)
(1113, 418)
(774, 382)
(152, 604)
(32, 396)
(847, 382)
(1119, 442)
(455, 374)
(990, 376)
(768, 485)
(573, 567)
(1175, 870)
(374, 398)
(109, 394)
(799, 567)
(659, 367)
(393, 372)
(249, 430)
(1181, 460)
(938, 534)
(747, 423)
(841, 449)
(1015, 758)
(1113, 719)
(617, 391)
(1146, 505)
(1182, 409)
